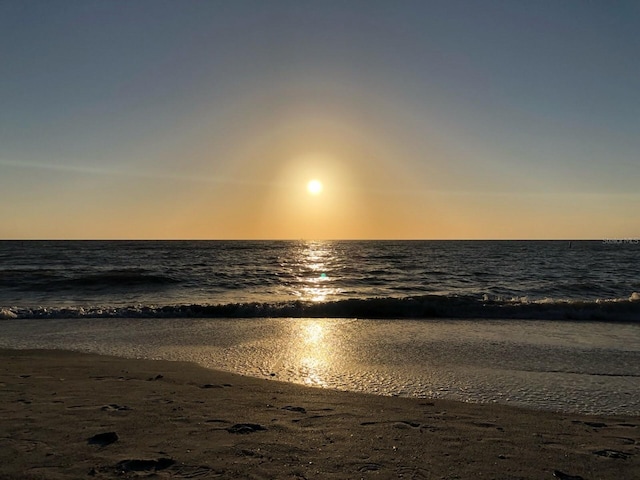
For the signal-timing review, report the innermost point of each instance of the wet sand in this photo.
(71, 415)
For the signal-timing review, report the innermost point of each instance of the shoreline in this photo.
(529, 364)
(181, 420)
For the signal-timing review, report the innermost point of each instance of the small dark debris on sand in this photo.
(103, 439)
(245, 428)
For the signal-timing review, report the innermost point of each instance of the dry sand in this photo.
(70, 415)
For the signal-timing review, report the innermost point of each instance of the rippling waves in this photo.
(355, 279)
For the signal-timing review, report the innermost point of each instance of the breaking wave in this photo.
(417, 307)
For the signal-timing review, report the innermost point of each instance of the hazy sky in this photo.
(423, 119)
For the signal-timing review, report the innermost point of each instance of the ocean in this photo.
(542, 324)
(583, 280)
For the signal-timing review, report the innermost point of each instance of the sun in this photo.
(314, 187)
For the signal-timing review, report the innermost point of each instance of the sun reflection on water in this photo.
(311, 352)
(314, 353)
(313, 333)
(313, 266)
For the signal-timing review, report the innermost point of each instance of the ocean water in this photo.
(380, 279)
(548, 325)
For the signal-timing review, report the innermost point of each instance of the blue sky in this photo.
(205, 119)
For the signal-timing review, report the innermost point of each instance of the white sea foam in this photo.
(6, 313)
(420, 307)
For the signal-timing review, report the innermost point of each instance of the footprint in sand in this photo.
(294, 409)
(590, 424)
(566, 476)
(612, 454)
(370, 467)
(113, 407)
(136, 465)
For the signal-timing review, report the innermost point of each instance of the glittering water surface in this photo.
(588, 367)
(387, 317)
(357, 279)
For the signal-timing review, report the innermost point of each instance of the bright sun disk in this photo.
(314, 187)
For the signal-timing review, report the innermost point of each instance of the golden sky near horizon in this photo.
(422, 120)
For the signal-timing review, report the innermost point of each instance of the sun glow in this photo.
(314, 187)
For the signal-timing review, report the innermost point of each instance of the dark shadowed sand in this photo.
(70, 415)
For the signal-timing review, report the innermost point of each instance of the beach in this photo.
(319, 240)
(434, 360)
(573, 367)
(73, 415)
